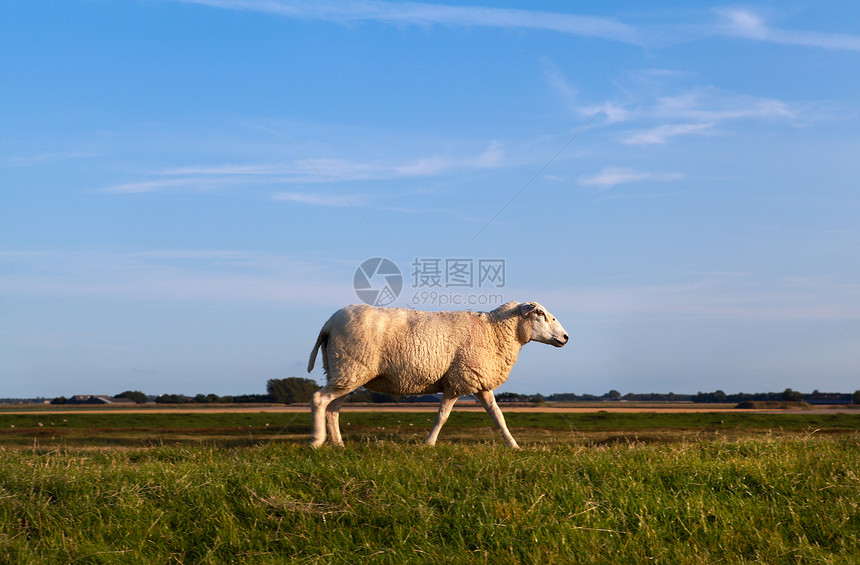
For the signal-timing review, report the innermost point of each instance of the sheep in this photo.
(402, 351)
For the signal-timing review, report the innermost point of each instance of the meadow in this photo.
(587, 488)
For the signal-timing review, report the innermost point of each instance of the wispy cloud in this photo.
(202, 178)
(732, 22)
(231, 169)
(610, 111)
(689, 111)
(612, 176)
(664, 132)
(701, 111)
(738, 22)
(44, 158)
(316, 199)
(492, 157)
(196, 184)
(421, 14)
(711, 105)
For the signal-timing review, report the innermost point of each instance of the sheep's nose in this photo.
(565, 338)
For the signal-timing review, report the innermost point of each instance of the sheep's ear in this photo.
(527, 308)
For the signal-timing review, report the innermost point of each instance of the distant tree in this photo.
(249, 398)
(613, 395)
(60, 400)
(291, 389)
(856, 397)
(510, 397)
(561, 397)
(382, 398)
(173, 399)
(361, 395)
(364, 396)
(135, 395)
(792, 395)
(207, 398)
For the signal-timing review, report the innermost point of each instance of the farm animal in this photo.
(402, 351)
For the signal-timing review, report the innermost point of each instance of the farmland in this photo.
(591, 487)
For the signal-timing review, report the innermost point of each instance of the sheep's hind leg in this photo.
(319, 403)
(445, 407)
(488, 401)
(332, 420)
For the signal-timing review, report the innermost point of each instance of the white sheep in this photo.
(402, 351)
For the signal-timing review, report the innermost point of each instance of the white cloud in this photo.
(413, 13)
(559, 82)
(701, 111)
(612, 176)
(315, 199)
(160, 184)
(697, 110)
(209, 177)
(492, 157)
(734, 22)
(611, 111)
(662, 133)
(710, 105)
(425, 166)
(219, 170)
(44, 158)
(746, 24)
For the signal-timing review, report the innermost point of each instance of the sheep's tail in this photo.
(321, 341)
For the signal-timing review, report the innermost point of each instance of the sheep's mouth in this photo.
(557, 342)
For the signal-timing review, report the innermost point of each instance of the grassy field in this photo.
(587, 488)
(115, 428)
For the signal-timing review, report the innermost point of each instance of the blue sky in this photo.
(189, 186)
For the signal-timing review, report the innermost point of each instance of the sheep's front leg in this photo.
(488, 401)
(444, 411)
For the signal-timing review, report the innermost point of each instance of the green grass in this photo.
(146, 429)
(770, 499)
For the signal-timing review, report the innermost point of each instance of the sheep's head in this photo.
(541, 325)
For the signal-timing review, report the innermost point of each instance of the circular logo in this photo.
(377, 282)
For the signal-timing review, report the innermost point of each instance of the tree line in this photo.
(718, 396)
(294, 390)
(284, 391)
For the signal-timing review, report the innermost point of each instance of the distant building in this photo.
(20, 401)
(828, 398)
(97, 399)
